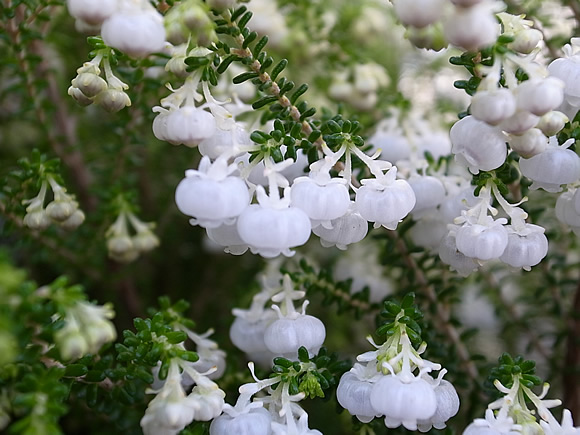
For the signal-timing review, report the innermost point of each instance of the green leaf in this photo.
(278, 68)
(260, 45)
(244, 20)
(303, 354)
(75, 370)
(238, 12)
(264, 101)
(244, 77)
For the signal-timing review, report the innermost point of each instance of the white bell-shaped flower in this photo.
(135, 31)
(477, 145)
(435, 143)
(519, 122)
(482, 241)
(385, 200)
(456, 202)
(576, 200)
(539, 96)
(92, 11)
(228, 237)
(493, 425)
(449, 254)
(429, 193)
(354, 395)
(393, 146)
(403, 403)
(224, 142)
(287, 334)
(257, 421)
(248, 336)
(419, 13)
(211, 195)
(526, 40)
(529, 144)
(346, 230)
(322, 200)
(187, 125)
(472, 28)
(525, 249)
(428, 232)
(447, 407)
(566, 211)
(552, 168)
(493, 106)
(272, 228)
(567, 69)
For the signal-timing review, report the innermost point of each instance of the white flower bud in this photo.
(224, 141)
(249, 336)
(135, 32)
(552, 122)
(566, 211)
(228, 237)
(79, 97)
(37, 220)
(61, 210)
(493, 106)
(540, 96)
(526, 40)
(74, 221)
(477, 145)
(285, 336)
(529, 144)
(92, 11)
(89, 84)
(113, 100)
(419, 13)
(394, 147)
(145, 241)
(70, 341)
(568, 70)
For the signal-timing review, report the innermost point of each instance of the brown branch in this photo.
(64, 127)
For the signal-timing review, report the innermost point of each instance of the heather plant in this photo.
(289, 217)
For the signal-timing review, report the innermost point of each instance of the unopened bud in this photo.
(37, 220)
(74, 221)
(61, 210)
(113, 100)
(552, 122)
(89, 84)
(79, 97)
(145, 241)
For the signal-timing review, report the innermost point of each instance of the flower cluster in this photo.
(86, 328)
(89, 87)
(511, 414)
(264, 333)
(124, 246)
(383, 382)
(62, 210)
(277, 413)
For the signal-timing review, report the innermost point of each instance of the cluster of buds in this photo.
(510, 414)
(89, 87)
(383, 382)
(86, 328)
(62, 210)
(171, 410)
(191, 18)
(359, 86)
(124, 246)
